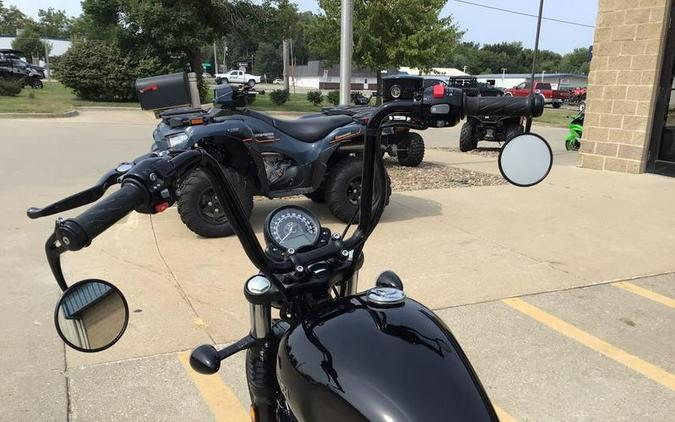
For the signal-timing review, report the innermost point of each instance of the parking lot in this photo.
(559, 326)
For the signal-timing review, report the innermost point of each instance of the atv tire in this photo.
(318, 195)
(200, 210)
(411, 150)
(467, 139)
(512, 131)
(343, 190)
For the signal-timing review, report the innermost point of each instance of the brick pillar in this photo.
(623, 84)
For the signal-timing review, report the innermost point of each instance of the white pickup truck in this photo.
(237, 77)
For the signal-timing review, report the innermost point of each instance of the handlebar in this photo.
(504, 106)
(78, 232)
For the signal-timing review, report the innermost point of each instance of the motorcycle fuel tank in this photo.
(360, 361)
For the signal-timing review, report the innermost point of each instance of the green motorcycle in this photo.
(576, 127)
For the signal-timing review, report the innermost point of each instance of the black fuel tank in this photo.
(356, 362)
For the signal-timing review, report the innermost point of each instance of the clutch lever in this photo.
(86, 196)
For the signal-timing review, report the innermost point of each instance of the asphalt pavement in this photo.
(562, 295)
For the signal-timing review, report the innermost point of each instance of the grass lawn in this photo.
(53, 98)
(556, 117)
(56, 98)
(296, 102)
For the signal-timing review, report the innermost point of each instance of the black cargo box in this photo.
(163, 91)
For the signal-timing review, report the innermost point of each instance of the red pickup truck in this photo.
(552, 96)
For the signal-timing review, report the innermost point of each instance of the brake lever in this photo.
(86, 196)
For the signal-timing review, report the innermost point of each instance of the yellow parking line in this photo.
(641, 291)
(503, 415)
(635, 363)
(219, 397)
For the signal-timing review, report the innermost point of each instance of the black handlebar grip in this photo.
(78, 232)
(504, 106)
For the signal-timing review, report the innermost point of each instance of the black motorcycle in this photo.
(335, 354)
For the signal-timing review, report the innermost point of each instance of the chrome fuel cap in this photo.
(385, 296)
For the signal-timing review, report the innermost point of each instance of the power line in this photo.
(515, 12)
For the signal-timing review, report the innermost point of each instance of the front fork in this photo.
(260, 359)
(267, 402)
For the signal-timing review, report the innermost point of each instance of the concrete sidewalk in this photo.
(460, 251)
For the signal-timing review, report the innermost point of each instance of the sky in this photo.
(480, 24)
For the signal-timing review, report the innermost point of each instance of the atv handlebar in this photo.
(504, 106)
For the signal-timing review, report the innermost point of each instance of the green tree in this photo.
(268, 61)
(54, 23)
(167, 29)
(100, 70)
(29, 43)
(576, 62)
(11, 19)
(388, 33)
(260, 28)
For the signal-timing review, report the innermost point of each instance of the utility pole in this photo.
(224, 55)
(285, 53)
(528, 122)
(292, 62)
(215, 59)
(346, 45)
(49, 73)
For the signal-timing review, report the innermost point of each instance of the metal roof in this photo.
(82, 297)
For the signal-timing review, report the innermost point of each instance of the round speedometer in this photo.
(292, 227)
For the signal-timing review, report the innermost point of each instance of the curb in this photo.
(70, 113)
(85, 108)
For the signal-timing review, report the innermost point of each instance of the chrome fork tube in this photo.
(350, 287)
(261, 320)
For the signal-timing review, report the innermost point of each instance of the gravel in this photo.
(492, 152)
(430, 176)
(436, 176)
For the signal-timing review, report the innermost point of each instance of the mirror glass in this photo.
(91, 315)
(525, 160)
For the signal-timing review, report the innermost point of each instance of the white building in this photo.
(437, 71)
(313, 75)
(557, 80)
(58, 46)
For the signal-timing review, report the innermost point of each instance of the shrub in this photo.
(97, 70)
(333, 97)
(10, 87)
(315, 97)
(279, 96)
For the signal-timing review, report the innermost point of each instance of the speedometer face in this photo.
(293, 227)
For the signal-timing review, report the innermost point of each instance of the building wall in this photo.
(511, 81)
(58, 47)
(623, 83)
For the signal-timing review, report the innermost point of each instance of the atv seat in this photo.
(311, 129)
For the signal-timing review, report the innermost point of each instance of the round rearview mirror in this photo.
(525, 160)
(91, 315)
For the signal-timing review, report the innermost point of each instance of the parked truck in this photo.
(553, 97)
(237, 77)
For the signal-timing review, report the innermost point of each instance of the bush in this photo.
(97, 70)
(333, 97)
(10, 87)
(315, 97)
(279, 96)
